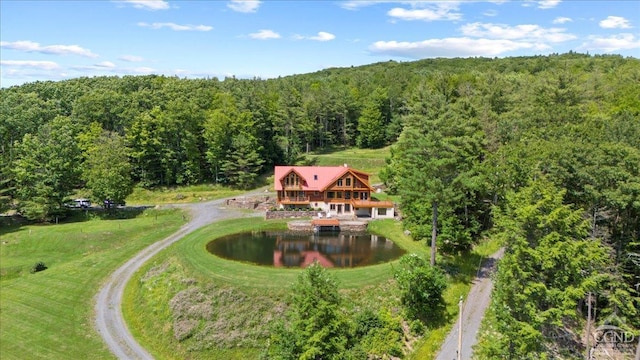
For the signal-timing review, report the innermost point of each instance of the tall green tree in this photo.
(5, 190)
(436, 163)
(371, 131)
(106, 169)
(550, 264)
(243, 164)
(47, 169)
(145, 147)
(217, 132)
(318, 329)
(372, 121)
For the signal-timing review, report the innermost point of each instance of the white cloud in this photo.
(140, 70)
(479, 39)
(425, 10)
(109, 67)
(490, 13)
(322, 36)
(451, 47)
(439, 13)
(615, 22)
(356, 4)
(106, 64)
(176, 27)
(562, 20)
(131, 58)
(40, 65)
(265, 35)
(548, 4)
(244, 6)
(148, 4)
(541, 4)
(518, 32)
(611, 43)
(30, 46)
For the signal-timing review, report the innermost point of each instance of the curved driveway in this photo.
(108, 312)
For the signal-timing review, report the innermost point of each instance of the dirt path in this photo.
(473, 310)
(108, 313)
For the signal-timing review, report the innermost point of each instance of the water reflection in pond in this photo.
(292, 249)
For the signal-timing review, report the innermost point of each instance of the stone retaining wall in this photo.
(271, 214)
(345, 226)
(353, 226)
(262, 202)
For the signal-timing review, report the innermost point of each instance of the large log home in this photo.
(337, 190)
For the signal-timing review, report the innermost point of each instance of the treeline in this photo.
(167, 131)
(108, 133)
(547, 161)
(527, 138)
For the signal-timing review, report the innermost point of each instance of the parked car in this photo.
(110, 204)
(82, 203)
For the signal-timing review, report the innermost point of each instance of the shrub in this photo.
(417, 327)
(421, 287)
(37, 267)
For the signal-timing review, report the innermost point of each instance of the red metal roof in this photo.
(316, 178)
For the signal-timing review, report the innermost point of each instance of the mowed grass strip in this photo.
(368, 160)
(49, 314)
(193, 253)
(146, 303)
(180, 194)
(187, 263)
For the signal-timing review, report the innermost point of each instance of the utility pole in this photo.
(588, 351)
(460, 330)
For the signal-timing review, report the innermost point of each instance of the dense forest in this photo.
(542, 152)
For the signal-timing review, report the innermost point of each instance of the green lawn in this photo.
(187, 264)
(181, 194)
(368, 160)
(49, 314)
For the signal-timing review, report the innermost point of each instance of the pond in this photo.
(295, 249)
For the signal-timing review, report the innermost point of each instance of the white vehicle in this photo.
(82, 203)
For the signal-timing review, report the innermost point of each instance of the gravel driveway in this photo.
(473, 311)
(108, 313)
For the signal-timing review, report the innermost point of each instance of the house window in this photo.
(315, 177)
(339, 194)
(347, 195)
(382, 211)
(332, 207)
(340, 182)
(315, 193)
(292, 179)
(348, 181)
(347, 208)
(355, 194)
(331, 194)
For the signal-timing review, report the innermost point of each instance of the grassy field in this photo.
(49, 314)
(368, 160)
(187, 268)
(179, 195)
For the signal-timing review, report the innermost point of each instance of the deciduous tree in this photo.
(46, 169)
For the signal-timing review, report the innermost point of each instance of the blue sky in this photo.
(56, 40)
